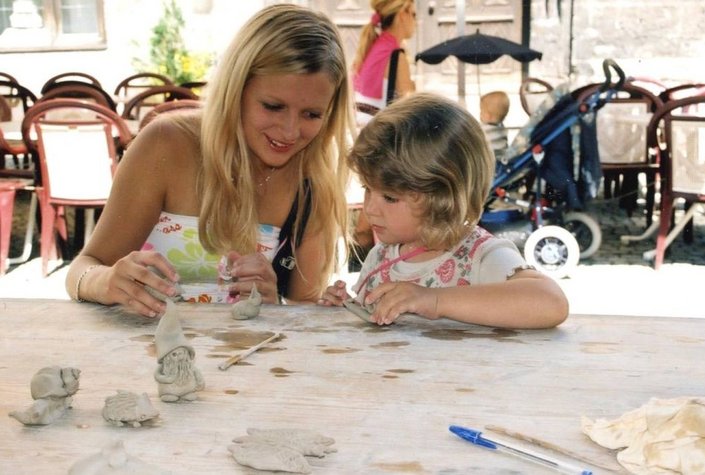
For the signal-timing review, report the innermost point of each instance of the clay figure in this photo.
(358, 310)
(280, 449)
(159, 295)
(113, 459)
(52, 389)
(176, 374)
(126, 407)
(263, 456)
(249, 308)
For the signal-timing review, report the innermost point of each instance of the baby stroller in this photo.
(550, 172)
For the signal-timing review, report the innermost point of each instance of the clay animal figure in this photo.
(176, 375)
(248, 308)
(113, 459)
(52, 389)
(280, 449)
(126, 407)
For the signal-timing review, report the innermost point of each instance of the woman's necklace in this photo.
(267, 177)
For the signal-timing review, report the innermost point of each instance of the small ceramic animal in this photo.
(126, 407)
(248, 308)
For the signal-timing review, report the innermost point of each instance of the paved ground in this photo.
(616, 280)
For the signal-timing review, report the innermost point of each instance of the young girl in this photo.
(427, 170)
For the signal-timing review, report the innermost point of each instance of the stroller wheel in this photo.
(586, 231)
(553, 250)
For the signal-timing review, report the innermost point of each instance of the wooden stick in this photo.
(544, 444)
(237, 358)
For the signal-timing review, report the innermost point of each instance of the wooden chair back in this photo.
(77, 90)
(532, 93)
(168, 107)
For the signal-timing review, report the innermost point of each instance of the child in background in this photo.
(494, 107)
(427, 170)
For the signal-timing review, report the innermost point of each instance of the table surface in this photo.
(386, 395)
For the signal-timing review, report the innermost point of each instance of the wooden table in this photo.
(386, 395)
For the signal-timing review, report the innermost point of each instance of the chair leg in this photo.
(666, 210)
(47, 240)
(7, 203)
(650, 196)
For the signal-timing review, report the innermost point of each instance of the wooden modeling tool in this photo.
(544, 444)
(239, 357)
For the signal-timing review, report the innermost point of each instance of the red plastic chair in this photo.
(78, 145)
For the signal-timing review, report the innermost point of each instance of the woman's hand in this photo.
(391, 299)
(334, 295)
(124, 283)
(252, 269)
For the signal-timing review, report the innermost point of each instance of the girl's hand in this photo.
(391, 299)
(334, 295)
(252, 269)
(124, 283)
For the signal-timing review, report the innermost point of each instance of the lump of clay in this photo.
(177, 377)
(126, 407)
(249, 308)
(159, 295)
(52, 389)
(280, 449)
(358, 310)
(113, 459)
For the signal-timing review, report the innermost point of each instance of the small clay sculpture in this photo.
(113, 459)
(263, 456)
(280, 449)
(159, 295)
(176, 374)
(51, 388)
(126, 407)
(249, 308)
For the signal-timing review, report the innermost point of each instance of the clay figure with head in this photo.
(51, 388)
(176, 374)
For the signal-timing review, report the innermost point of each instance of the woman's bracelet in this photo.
(77, 296)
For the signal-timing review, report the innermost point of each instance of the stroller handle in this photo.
(607, 65)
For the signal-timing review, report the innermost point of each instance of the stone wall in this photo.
(657, 39)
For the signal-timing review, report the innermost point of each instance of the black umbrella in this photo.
(478, 48)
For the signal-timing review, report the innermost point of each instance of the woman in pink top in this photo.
(392, 22)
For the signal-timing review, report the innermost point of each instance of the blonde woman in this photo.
(427, 169)
(260, 168)
(392, 22)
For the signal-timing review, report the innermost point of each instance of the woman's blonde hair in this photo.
(428, 145)
(281, 39)
(387, 10)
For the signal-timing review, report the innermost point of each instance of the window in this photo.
(46, 25)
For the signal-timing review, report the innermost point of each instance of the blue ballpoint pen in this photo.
(476, 438)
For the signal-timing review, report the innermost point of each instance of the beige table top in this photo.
(386, 395)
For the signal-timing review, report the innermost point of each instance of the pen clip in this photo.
(474, 436)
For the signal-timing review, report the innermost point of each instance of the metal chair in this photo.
(532, 93)
(78, 90)
(624, 154)
(136, 83)
(140, 105)
(168, 107)
(682, 165)
(73, 77)
(77, 151)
